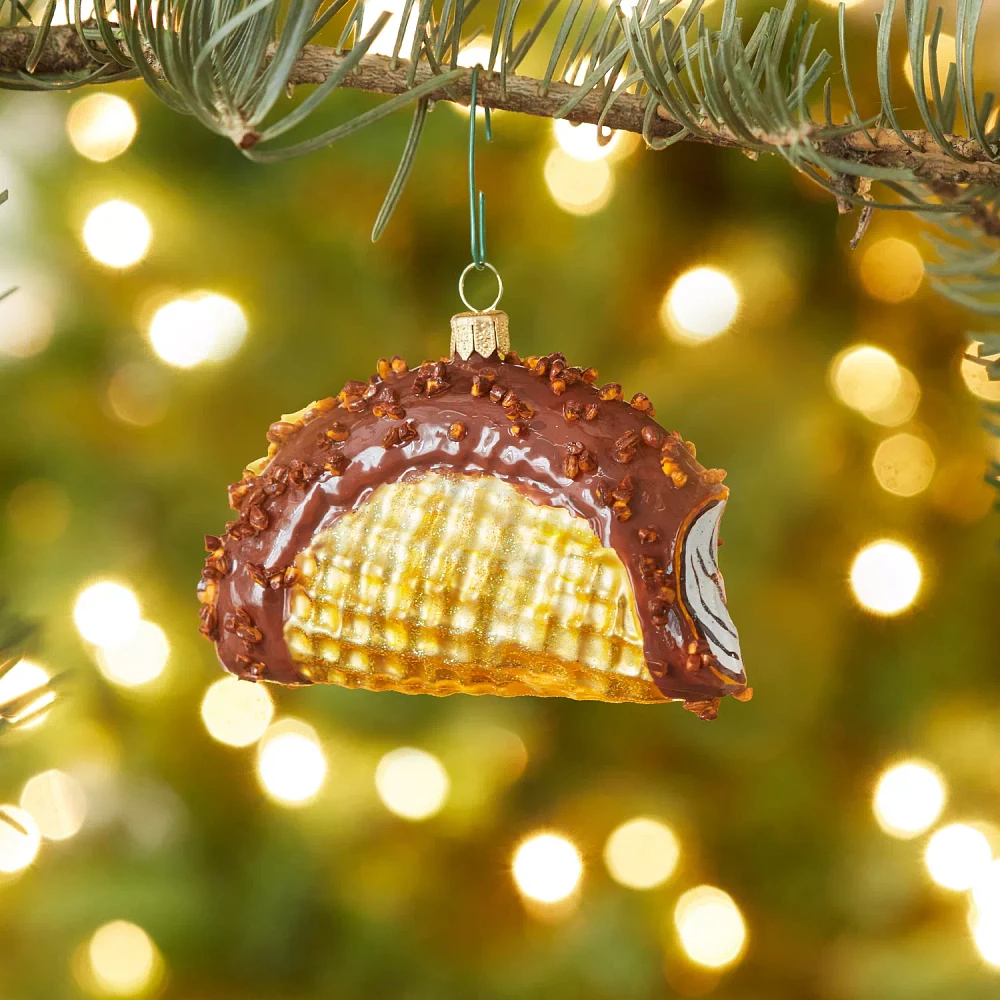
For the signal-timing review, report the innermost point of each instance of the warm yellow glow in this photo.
(642, 853)
(866, 378)
(237, 712)
(117, 234)
(17, 849)
(886, 577)
(137, 394)
(581, 142)
(957, 856)
(38, 510)
(986, 935)
(700, 305)
(28, 323)
(290, 763)
(904, 464)
(976, 377)
(945, 57)
(577, 186)
(139, 660)
(908, 799)
(385, 42)
(200, 327)
(123, 958)
(892, 270)
(986, 892)
(56, 802)
(412, 783)
(26, 676)
(101, 126)
(711, 927)
(903, 404)
(106, 614)
(547, 868)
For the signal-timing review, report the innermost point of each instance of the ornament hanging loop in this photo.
(461, 287)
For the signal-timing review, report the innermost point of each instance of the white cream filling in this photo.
(705, 593)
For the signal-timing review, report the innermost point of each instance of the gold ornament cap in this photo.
(480, 332)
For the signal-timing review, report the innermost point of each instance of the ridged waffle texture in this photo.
(451, 583)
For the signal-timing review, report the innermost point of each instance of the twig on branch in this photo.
(63, 53)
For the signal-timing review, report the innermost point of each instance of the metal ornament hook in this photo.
(477, 200)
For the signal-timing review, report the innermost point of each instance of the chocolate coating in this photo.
(542, 427)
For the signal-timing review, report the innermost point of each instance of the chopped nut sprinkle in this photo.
(647, 536)
(609, 392)
(714, 475)
(652, 436)
(591, 410)
(518, 429)
(457, 431)
(398, 365)
(572, 411)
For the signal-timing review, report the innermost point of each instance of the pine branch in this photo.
(919, 152)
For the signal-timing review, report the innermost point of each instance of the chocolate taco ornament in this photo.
(478, 525)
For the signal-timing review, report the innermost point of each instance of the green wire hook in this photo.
(477, 201)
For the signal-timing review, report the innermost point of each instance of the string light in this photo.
(892, 270)
(886, 577)
(57, 803)
(642, 853)
(547, 868)
(908, 799)
(138, 660)
(581, 141)
(700, 305)
(21, 679)
(577, 186)
(957, 856)
(106, 614)
(412, 783)
(986, 935)
(101, 126)
(197, 328)
(122, 958)
(904, 464)
(710, 926)
(236, 712)
(18, 848)
(290, 763)
(117, 234)
(866, 378)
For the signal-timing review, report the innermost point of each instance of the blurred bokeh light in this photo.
(290, 763)
(642, 853)
(908, 799)
(201, 327)
(582, 141)
(237, 712)
(904, 464)
(138, 660)
(957, 856)
(412, 783)
(56, 802)
(886, 577)
(101, 126)
(123, 958)
(117, 234)
(892, 270)
(547, 868)
(21, 679)
(866, 378)
(18, 847)
(700, 305)
(580, 187)
(107, 614)
(710, 926)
